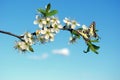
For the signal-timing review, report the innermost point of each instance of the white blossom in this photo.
(42, 39)
(55, 20)
(28, 37)
(67, 21)
(38, 32)
(71, 23)
(47, 34)
(74, 24)
(48, 20)
(40, 21)
(22, 46)
(56, 27)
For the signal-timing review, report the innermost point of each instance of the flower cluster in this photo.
(71, 23)
(25, 44)
(47, 22)
(49, 26)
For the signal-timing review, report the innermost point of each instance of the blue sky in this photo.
(17, 16)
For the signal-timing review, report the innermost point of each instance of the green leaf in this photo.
(48, 7)
(80, 29)
(96, 40)
(96, 47)
(93, 47)
(31, 49)
(51, 13)
(88, 49)
(75, 32)
(42, 11)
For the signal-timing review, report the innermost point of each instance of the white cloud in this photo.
(64, 51)
(38, 57)
(44, 56)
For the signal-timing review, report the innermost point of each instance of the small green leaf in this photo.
(31, 49)
(96, 47)
(96, 40)
(48, 7)
(42, 11)
(88, 49)
(80, 29)
(74, 32)
(51, 13)
(93, 47)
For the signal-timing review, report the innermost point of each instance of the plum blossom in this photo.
(40, 21)
(55, 20)
(74, 24)
(28, 37)
(22, 46)
(56, 27)
(67, 21)
(48, 34)
(71, 23)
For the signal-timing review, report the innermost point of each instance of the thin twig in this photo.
(11, 34)
(34, 33)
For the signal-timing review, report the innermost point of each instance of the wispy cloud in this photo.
(64, 51)
(38, 57)
(44, 56)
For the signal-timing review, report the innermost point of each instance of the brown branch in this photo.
(11, 34)
(34, 33)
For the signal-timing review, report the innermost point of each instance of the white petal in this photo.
(23, 45)
(29, 35)
(66, 18)
(45, 29)
(48, 19)
(44, 22)
(51, 39)
(35, 22)
(26, 39)
(37, 16)
(43, 32)
(31, 41)
(57, 30)
(58, 21)
(60, 26)
(70, 38)
(73, 26)
(52, 30)
(38, 32)
(46, 36)
(51, 35)
(64, 21)
(40, 26)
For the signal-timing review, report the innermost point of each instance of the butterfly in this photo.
(92, 30)
(88, 32)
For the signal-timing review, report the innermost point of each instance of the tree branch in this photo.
(11, 34)
(34, 33)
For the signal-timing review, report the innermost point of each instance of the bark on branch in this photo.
(11, 34)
